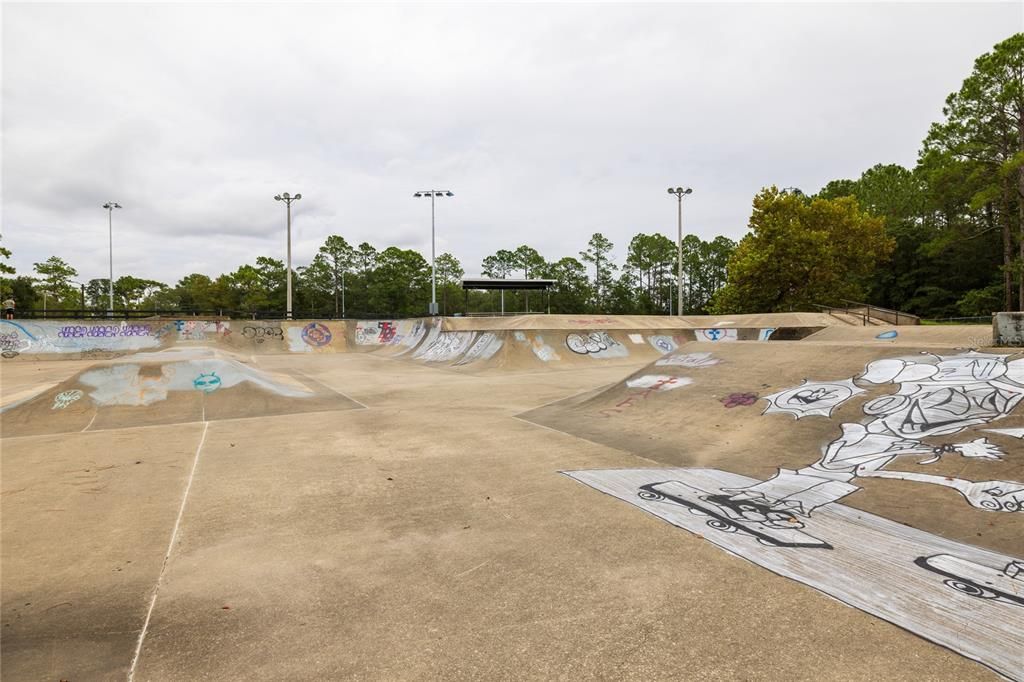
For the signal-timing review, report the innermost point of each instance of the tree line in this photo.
(942, 239)
(350, 281)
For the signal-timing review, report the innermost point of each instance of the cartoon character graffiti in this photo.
(316, 334)
(937, 396)
(207, 382)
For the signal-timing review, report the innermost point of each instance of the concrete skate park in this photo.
(759, 497)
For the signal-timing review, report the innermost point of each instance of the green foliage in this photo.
(980, 302)
(802, 252)
(54, 278)
(599, 253)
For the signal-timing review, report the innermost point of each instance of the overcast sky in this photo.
(548, 122)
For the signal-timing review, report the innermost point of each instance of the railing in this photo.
(978, 319)
(866, 311)
(220, 314)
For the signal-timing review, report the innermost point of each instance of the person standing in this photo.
(9, 309)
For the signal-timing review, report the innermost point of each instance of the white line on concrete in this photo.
(95, 413)
(329, 388)
(588, 440)
(459, 575)
(167, 555)
(574, 395)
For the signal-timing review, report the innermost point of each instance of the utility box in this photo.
(1008, 329)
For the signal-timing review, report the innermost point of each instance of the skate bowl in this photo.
(202, 474)
(468, 343)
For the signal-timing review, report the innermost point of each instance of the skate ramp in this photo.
(459, 342)
(73, 339)
(432, 342)
(166, 387)
(541, 322)
(950, 336)
(720, 408)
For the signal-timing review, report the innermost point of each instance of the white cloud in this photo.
(549, 122)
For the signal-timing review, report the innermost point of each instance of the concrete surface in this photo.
(426, 535)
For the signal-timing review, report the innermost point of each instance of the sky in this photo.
(548, 122)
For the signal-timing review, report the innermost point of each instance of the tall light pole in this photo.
(680, 192)
(433, 193)
(110, 206)
(288, 199)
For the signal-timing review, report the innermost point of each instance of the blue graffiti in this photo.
(891, 334)
(207, 383)
(15, 324)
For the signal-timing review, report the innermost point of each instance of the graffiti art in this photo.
(207, 383)
(316, 334)
(781, 522)
(65, 398)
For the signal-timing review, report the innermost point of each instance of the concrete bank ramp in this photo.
(753, 409)
(435, 342)
(955, 336)
(889, 478)
(166, 387)
(74, 339)
(551, 340)
(637, 322)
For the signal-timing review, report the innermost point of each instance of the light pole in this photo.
(433, 193)
(680, 192)
(288, 199)
(110, 206)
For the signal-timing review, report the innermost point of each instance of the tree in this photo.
(55, 280)
(339, 256)
(800, 252)
(500, 265)
(650, 258)
(597, 252)
(449, 273)
(132, 291)
(5, 268)
(316, 282)
(984, 130)
(572, 290)
(400, 284)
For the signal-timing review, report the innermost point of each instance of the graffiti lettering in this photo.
(595, 343)
(260, 334)
(104, 330)
(387, 332)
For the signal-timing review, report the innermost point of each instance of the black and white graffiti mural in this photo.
(793, 523)
(595, 344)
(812, 397)
(962, 597)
